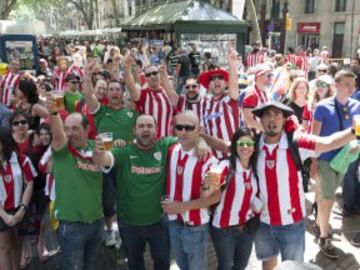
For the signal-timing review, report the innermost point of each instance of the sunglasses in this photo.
(321, 85)
(186, 127)
(346, 113)
(193, 86)
(219, 77)
(245, 143)
(322, 70)
(269, 75)
(152, 74)
(20, 122)
(74, 82)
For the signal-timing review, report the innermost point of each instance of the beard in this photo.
(145, 142)
(194, 98)
(271, 131)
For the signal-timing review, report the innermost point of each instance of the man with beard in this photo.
(10, 82)
(258, 95)
(191, 100)
(282, 226)
(116, 118)
(141, 179)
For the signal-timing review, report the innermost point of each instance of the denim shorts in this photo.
(288, 240)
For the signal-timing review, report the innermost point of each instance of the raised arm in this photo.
(101, 157)
(232, 58)
(169, 88)
(129, 79)
(216, 143)
(56, 125)
(334, 141)
(90, 99)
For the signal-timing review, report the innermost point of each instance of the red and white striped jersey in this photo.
(59, 78)
(76, 70)
(291, 58)
(11, 180)
(254, 98)
(8, 85)
(157, 104)
(198, 108)
(184, 178)
(302, 62)
(280, 184)
(221, 118)
(253, 59)
(238, 201)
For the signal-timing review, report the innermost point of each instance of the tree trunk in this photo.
(256, 35)
(6, 6)
(116, 13)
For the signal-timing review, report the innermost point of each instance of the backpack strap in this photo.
(294, 150)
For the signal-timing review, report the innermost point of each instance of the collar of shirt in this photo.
(189, 153)
(283, 144)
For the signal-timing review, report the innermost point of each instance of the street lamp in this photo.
(283, 27)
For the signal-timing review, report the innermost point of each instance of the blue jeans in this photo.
(232, 247)
(79, 243)
(135, 237)
(189, 245)
(289, 240)
(351, 188)
(180, 84)
(108, 194)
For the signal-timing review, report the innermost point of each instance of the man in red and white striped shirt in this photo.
(282, 228)
(291, 57)
(152, 100)
(10, 82)
(60, 74)
(188, 229)
(302, 62)
(258, 95)
(222, 114)
(255, 57)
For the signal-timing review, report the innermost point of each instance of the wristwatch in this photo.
(22, 205)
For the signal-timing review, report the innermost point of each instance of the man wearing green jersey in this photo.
(78, 190)
(119, 120)
(141, 180)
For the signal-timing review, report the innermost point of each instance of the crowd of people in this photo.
(197, 150)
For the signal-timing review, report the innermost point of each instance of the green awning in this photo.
(165, 16)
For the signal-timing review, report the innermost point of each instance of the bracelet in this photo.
(54, 113)
(23, 206)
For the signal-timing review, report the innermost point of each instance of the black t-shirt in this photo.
(185, 65)
(194, 59)
(297, 110)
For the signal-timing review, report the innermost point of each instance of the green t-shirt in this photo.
(70, 99)
(119, 122)
(78, 187)
(141, 180)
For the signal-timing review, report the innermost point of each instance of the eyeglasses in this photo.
(321, 84)
(219, 77)
(186, 127)
(346, 113)
(245, 143)
(193, 86)
(152, 74)
(20, 122)
(74, 82)
(322, 70)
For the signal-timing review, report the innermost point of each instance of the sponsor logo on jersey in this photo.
(211, 116)
(133, 157)
(145, 170)
(87, 166)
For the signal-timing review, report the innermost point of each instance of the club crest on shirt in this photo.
(247, 185)
(179, 170)
(130, 114)
(7, 178)
(270, 164)
(157, 156)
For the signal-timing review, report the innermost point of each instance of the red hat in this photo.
(205, 77)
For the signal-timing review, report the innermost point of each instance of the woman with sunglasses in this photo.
(238, 203)
(27, 99)
(16, 185)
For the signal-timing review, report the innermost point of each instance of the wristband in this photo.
(353, 130)
(54, 113)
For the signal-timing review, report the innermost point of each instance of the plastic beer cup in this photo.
(59, 100)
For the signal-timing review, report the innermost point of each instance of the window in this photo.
(340, 5)
(275, 10)
(339, 28)
(309, 6)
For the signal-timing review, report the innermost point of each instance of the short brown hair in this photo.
(344, 74)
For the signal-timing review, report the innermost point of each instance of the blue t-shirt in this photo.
(325, 112)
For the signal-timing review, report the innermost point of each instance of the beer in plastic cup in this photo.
(215, 174)
(357, 125)
(59, 100)
(107, 139)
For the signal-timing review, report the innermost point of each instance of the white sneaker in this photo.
(110, 238)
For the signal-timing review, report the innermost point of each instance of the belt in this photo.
(186, 224)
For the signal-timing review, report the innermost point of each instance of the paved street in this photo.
(344, 229)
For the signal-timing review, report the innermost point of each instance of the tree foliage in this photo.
(6, 6)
